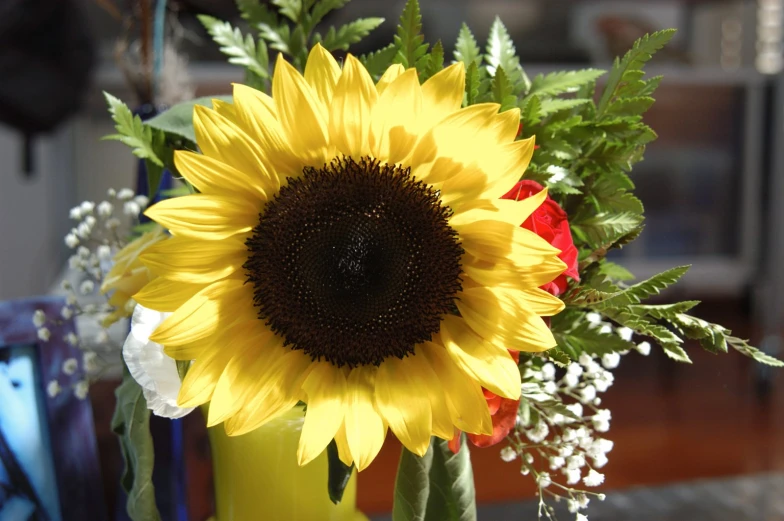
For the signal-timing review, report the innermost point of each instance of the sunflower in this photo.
(348, 248)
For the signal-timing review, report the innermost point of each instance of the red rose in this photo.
(551, 223)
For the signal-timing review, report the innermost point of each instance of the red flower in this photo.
(551, 223)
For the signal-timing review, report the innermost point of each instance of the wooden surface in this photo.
(671, 423)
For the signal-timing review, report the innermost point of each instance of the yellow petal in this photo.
(326, 390)
(392, 72)
(322, 73)
(543, 303)
(196, 261)
(214, 307)
(365, 430)
(211, 217)
(222, 339)
(258, 116)
(165, 295)
(393, 129)
(300, 118)
(221, 139)
(500, 316)
(351, 108)
(203, 375)
(504, 210)
(211, 176)
(402, 400)
(492, 366)
(443, 94)
(225, 109)
(465, 401)
(279, 392)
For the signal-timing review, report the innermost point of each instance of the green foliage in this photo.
(503, 90)
(466, 49)
(131, 424)
(376, 62)
(500, 52)
(241, 50)
(409, 41)
(352, 32)
(436, 487)
(338, 473)
(131, 131)
(576, 335)
(563, 82)
(435, 61)
(178, 120)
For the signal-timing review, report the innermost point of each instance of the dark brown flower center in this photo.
(354, 262)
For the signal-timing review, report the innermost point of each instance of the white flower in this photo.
(44, 334)
(601, 497)
(575, 369)
(87, 207)
(81, 389)
(142, 200)
(543, 480)
(576, 461)
(71, 240)
(75, 213)
(644, 348)
(132, 208)
(508, 454)
(583, 500)
(72, 339)
(611, 360)
(70, 300)
(104, 252)
(601, 385)
(70, 366)
(597, 402)
(556, 462)
(113, 223)
(84, 230)
(593, 479)
(66, 312)
(584, 359)
(90, 361)
(124, 194)
(601, 420)
(600, 460)
(625, 333)
(538, 433)
(102, 337)
(572, 476)
(550, 388)
(588, 393)
(548, 371)
(152, 369)
(528, 457)
(87, 287)
(576, 408)
(105, 209)
(593, 318)
(605, 329)
(111, 192)
(593, 368)
(581, 517)
(566, 451)
(53, 388)
(75, 262)
(602, 446)
(571, 380)
(39, 318)
(90, 221)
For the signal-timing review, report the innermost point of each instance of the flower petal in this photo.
(443, 94)
(393, 129)
(326, 390)
(402, 399)
(365, 430)
(504, 210)
(195, 261)
(322, 73)
(492, 366)
(211, 217)
(211, 176)
(351, 108)
(392, 72)
(162, 294)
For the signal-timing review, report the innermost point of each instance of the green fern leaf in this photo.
(409, 41)
(436, 61)
(291, 9)
(472, 84)
(376, 62)
(563, 82)
(256, 13)
(742, 346)
(347, 34)
(553, 105)
(603, 229)
(500, 52)
(320, 9)
(466, 49)
(642, 290)
(241, 51)
(131, 130)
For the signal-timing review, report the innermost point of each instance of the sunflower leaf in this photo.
(132, 131)
(376, 62)
(352, 32)
(500, 52)
(466, 49)
(412, 486)
(241, 50)
(409, 41)
(563, 82)
(452, 496)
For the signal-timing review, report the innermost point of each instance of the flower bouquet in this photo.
(397, 241)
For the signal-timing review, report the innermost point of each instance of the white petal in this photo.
(152, 369)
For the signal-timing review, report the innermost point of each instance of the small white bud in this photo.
(575, 369)
(84, 230)
(72, 339)
(81, 389)
(66, 312)
(572, 476)
(587, 394)
(592, 368)
(44, 334)
(601, 385)
(105, 209)
(70, 300)
(543, 480)
(528, 458)
(571, 380)
(525, 471)
(75, 262)
(593, 318)
(585, 359)
(548, 371)
(87, 207)
(550, 388)
(104, 252)
(90, 221)
(39, 318)
(601, 497)
(142, 200)
(70, 366)
(581, 517)
(132, 208)
(112, 224)
(125, 194)
(87, 287)
(597, 402)
(111, 192)
(606, 329)
(71, 240)
(90, 361)
(644, 348)
(53, 388)
(625, 333)
(538, 433)
(102, 337)
(593, 479)
(83, 252)
(508, 454)
(96, 273)
(75, 213)
(576, 408)
(611, 360)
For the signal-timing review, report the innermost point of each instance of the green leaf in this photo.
(472, 84)
(466, 49)
(376, 62)
(409, 41)
(502, 90)
(584, 337)
(642, 290)
(291, 9)
(321, 8)
(452, 496)
(131, 130)
(604, 228)
(663, 311)
(743, 347)
(615, 271)
(178, 120)
(131, 424)
(255, 13)
(630, 106)
(642, 51)
(558, 357)
(412, 486)
(531, 111)
(676, 352)
(712, 337)
(241, 50)
(500, 52)
(553, 105)
(436, 61)
(338, 474)
(562, 82)
(347, 34)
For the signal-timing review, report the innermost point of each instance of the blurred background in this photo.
(712, 185)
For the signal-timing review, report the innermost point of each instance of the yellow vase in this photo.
(257, 477)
